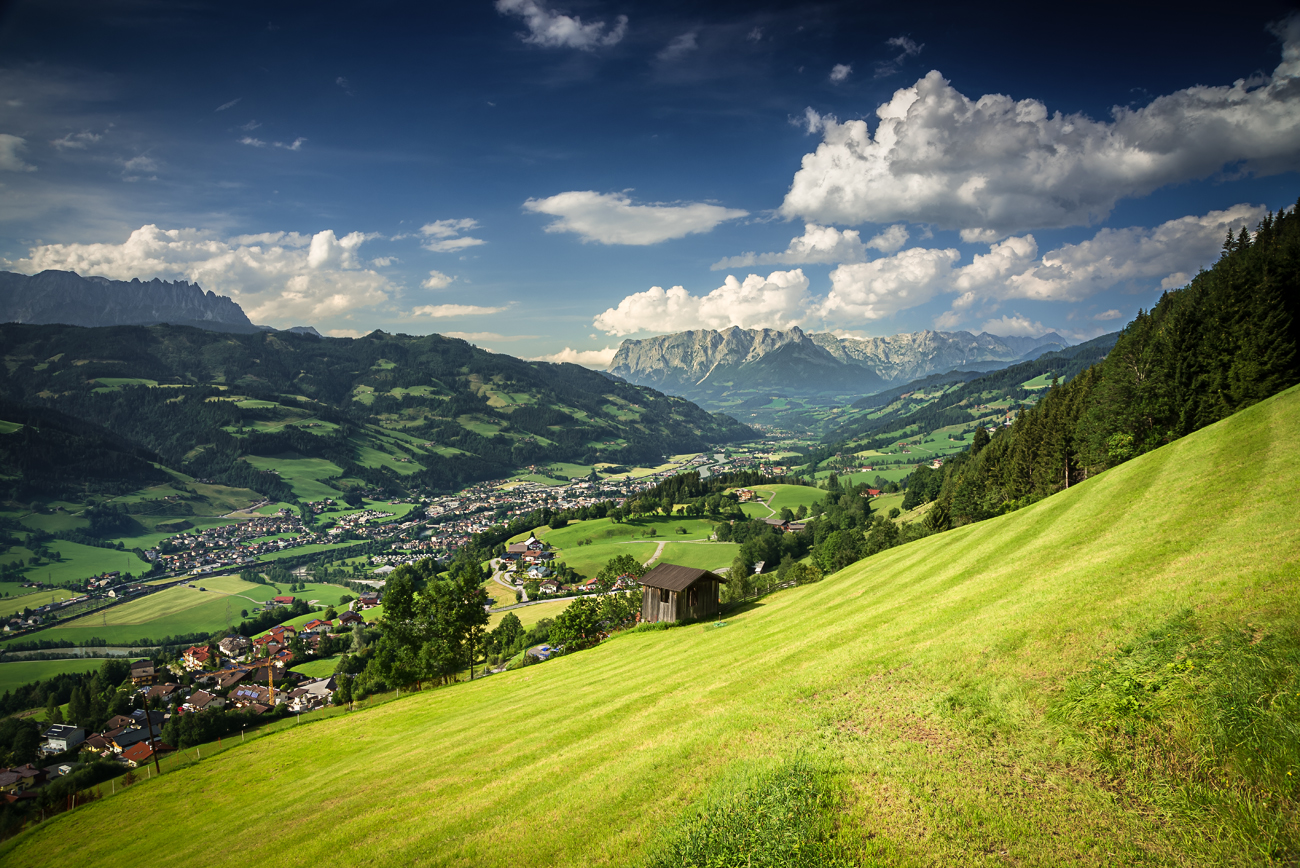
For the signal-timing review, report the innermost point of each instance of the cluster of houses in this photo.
(232, 544)
(356, 522)
(529, 559)
(132, 740)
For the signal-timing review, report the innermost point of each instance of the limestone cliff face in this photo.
(904, 357)
(687, 359)
(705, 363)
(67, 298)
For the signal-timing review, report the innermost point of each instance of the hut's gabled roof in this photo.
(671, 577)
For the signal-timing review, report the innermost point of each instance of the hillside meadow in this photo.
(171, 612)
(927, 683)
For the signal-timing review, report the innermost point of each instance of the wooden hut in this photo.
(673, 593)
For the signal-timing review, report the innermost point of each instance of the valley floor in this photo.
(921, 679)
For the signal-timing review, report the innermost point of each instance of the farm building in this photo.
(673, 593)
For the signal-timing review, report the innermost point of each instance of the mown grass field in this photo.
(779, 497)
(171, 612)
(707, 556)
(20, 672)
(920, 677)
(78, 563)
(530, 615)
(318, 668)
(611, 539)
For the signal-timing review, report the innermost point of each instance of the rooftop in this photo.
(671, 577)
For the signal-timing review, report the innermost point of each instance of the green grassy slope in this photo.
(922, 674)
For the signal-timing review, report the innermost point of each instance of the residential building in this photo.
(61, 737)
(142, 673)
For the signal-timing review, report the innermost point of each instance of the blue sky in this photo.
(547, 178)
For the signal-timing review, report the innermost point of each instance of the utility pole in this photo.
(152, 746)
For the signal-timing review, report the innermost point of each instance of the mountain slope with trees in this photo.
(389, 411)
(1227, 340)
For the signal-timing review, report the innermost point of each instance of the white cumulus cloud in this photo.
(552, 29)
(598, 359)
(818, 244)
(778, 301)
(1000, 165)
(11, 148)
(841, 71)
(437, 280)
(864, 291)
(890, 239)
(612, 218)
(1169, 253)
(279, 278)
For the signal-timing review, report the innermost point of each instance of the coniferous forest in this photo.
(1228, 339)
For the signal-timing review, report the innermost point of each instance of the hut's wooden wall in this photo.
(679, 605)
(653, 608)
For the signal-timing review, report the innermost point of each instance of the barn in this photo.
(673, 593)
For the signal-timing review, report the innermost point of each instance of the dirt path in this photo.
(659, 550)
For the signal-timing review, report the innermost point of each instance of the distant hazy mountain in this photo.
(708, 365)
(70, 299)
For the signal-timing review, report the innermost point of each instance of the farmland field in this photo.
(707, 556)
(20, 672)
(530, 615)
(81, 562)
(303, 475)
(318, 668)
(171, 612)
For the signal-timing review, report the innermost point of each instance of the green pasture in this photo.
(170, 612)
(919, 679)
(303, 475)
(1042, 381)
(322, 668)
(53, 522)
(604, 530)
(311, 549)
(20, 672)
(113, 384)
(78, 562)
(792, 496)
(705, 555)
(327, 594)
(370, 457)
(9, 427)
(589, 560)
(530, 615)
(478, 426)
(885, 502)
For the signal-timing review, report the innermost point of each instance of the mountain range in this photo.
(69, 299)
(711, 367)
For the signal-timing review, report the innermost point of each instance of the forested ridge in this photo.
(426, 387)
(904, 410)
(1227, 340)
